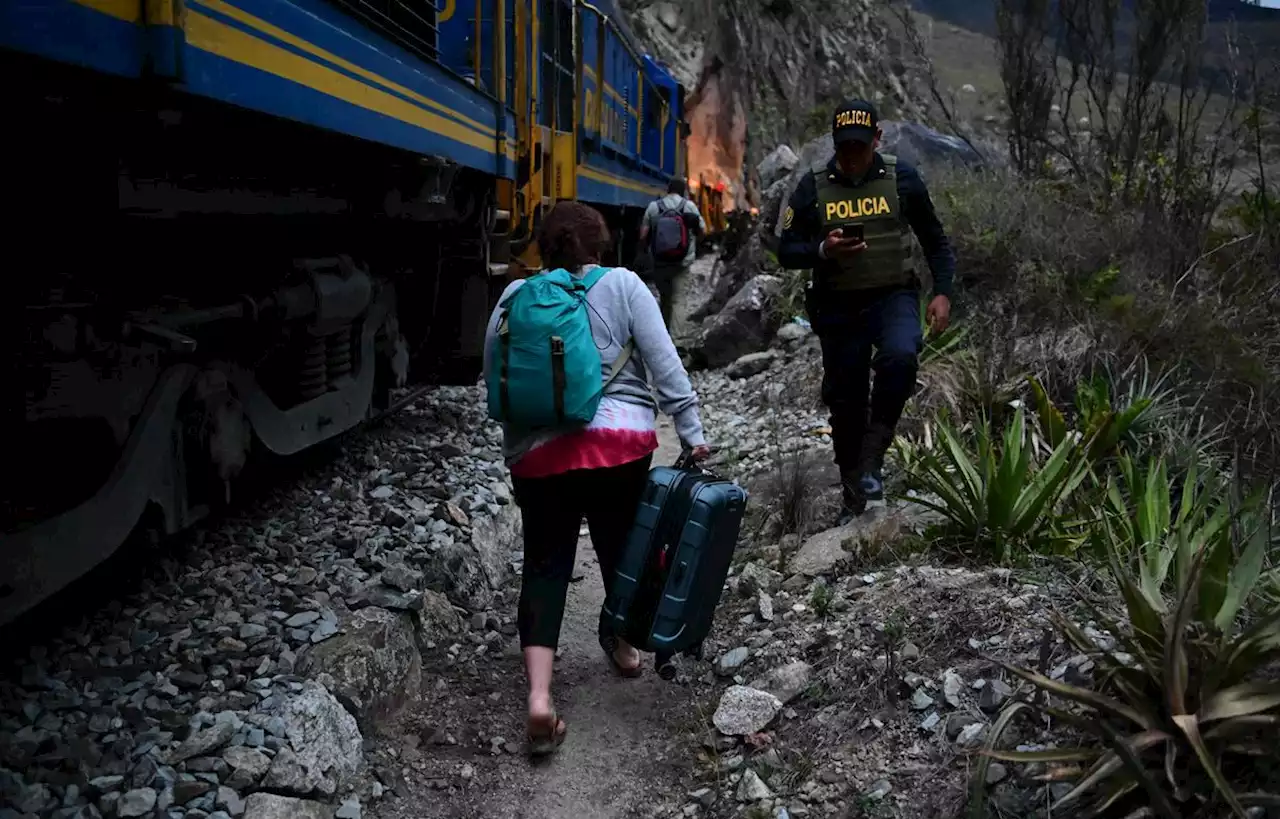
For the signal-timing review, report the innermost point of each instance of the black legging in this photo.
(552, 509)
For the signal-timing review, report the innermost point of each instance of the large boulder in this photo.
(924, 147)
(744, 711)
(375, 665)
(823, 552)
(324, 750)
(771, 207)
(747, 324)
(694, 293)
(493, 538)
(828, 552)
(786, 682)
(271, 806)
(752, 364)
(457, 571)
(729, 277)
(780, 162)
(471, 572)
(438, 618)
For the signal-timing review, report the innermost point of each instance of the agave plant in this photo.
(1207, 522)
(1185, 714)
(1174, 424)
(996, 494)
(1102, 424)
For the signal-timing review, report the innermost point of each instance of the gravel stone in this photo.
(179, 699)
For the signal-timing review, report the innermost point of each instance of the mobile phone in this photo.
(852, 234)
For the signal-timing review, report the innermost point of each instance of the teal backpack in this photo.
(546, 369)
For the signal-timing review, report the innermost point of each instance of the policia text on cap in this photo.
(850, 221)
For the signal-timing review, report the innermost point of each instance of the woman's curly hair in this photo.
(572, 235)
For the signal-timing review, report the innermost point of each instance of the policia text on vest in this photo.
(857, 208)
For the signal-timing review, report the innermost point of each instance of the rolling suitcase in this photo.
(673, 567)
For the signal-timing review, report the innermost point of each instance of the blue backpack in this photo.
(546, 370)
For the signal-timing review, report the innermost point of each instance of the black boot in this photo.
(853, 501)
(875, 443)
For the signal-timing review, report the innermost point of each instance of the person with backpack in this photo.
(570, 354)
(671, 226)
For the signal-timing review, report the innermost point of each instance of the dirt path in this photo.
(618, 760)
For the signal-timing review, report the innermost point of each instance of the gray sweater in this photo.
(621, 307)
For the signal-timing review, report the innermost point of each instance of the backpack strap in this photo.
(590, 279)
(890, 165)
(504, 362)
(620, 362)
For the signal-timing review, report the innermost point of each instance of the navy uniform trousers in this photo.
(860, 332)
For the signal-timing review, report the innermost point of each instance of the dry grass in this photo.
(1063, 287)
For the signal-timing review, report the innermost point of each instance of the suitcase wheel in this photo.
(666, 668)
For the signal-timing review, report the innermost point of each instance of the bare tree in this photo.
(1134, 121)
(920, 52)
(1029, 77)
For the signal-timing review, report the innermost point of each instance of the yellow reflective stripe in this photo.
(215, 37)
(278, 33)
(128, 10)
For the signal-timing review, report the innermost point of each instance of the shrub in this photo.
(1105, 427)
(1057, 284)
(1185, 715)
(797, 485)
(996, 494)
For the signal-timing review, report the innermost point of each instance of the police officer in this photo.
(850, 220)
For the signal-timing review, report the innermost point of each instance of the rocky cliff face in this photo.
(764, 72)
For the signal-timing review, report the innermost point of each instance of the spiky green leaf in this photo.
(978, 783)
(1108, 764)
(1245, 700)
(1084, 696)
(1052, 423)
(1191, 729)
(1246, 572)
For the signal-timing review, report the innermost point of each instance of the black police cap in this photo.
(856, 120)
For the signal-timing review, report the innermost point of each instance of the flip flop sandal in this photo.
(610, 646)
(543, 741)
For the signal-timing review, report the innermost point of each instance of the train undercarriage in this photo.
(195, 287)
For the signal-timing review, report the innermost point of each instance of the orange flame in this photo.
(717, 143)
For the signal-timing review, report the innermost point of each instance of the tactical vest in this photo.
(874, 205)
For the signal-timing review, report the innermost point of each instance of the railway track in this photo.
(102, 680)
(144, 552)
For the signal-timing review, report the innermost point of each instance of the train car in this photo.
(237, 227)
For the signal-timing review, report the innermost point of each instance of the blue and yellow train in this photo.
(235, 227)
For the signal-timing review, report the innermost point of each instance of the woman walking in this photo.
(599, 470)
